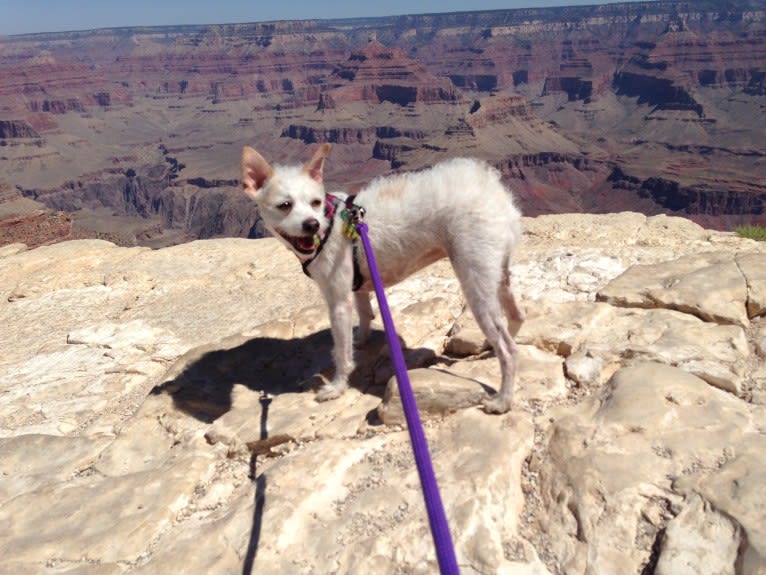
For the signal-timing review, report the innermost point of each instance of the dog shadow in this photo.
(202, 380)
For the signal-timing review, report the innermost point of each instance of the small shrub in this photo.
(752, 232)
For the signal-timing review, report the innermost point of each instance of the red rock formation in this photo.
(558, 98)
(57, 87)
(498, 110)
(41, 122)
(377, 74)
(36, 229)
(16, 129)
(665, 73)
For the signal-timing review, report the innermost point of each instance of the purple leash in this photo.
(445, 550)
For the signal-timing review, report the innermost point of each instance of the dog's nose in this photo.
(311, 225)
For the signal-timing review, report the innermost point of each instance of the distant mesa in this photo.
(10, 129)
(377, 74)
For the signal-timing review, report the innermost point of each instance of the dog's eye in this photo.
(316, 204)
(285, 206)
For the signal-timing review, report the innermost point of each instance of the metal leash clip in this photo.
(351, 216)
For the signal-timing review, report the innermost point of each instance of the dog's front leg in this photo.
(366, 315)
(341, 319)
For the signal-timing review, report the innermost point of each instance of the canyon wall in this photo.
(653, 106)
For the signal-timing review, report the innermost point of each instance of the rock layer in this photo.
(645, 106)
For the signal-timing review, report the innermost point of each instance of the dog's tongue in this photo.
(306, 243)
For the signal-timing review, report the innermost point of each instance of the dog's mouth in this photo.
(302, 244)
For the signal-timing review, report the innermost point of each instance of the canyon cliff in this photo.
(651, 106)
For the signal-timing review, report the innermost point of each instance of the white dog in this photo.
(457, 209)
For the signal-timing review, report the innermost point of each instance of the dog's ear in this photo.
(315, 165)
(255, 171)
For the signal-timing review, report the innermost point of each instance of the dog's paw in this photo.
(330, 391)
(496, 404)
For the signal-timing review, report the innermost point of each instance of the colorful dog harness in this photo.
(331, 205)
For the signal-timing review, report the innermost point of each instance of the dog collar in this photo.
(331, 205)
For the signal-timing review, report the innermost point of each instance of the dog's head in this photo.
(290, 199)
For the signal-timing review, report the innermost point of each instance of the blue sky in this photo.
(29, 16)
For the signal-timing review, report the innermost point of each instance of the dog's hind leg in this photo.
(493, 324)
(513, 312)
(490, 301)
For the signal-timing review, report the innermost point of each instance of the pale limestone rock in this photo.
(64, 266)
(659, 228)
(585, 369)
(65, 568)
(758, 392)
(612, 461)
(67, 299)
(11, 249)
(288, 417)
(735, 488)
(565, 274)
(622, 335)
(122, 360)
(710, 286)
(699, 541)
(28, 461)
(131, 404)
(572, 256)
(465, 338)
(150, 439)
(367, 513)
(110, 518)
(539, 375)
(426, 321)
(584, 229)
(437, 393)
(753, 267)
